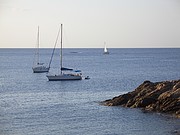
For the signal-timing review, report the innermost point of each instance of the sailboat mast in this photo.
(61, 46)
(38, 46)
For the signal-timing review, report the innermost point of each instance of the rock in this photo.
(161, 97)
(120, 100)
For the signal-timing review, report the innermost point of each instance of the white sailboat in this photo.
(37, 66)
(65, 73)
(105, 49)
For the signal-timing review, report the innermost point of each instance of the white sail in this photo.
(105, 49)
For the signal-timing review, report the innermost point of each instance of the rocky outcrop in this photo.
(161, 97)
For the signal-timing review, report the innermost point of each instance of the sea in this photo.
(32, 105)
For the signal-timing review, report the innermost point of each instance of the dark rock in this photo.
(147, 101)
(120, 100)
(160, 97)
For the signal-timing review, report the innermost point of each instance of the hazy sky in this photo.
(90, 23)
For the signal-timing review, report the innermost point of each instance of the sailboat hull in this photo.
(106, 53)
(64, 77)
(40, 69)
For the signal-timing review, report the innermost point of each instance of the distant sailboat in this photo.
(105, 49)
(65, 73)
(37, 66)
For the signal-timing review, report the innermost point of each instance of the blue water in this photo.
(31, 105)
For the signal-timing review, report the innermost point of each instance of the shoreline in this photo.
(162, 97)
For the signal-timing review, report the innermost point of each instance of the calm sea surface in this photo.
(31, 105)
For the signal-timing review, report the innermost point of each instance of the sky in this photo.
(90, 23)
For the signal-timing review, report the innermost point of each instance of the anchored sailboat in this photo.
(37, 66)
(65, 73)
(105, 49)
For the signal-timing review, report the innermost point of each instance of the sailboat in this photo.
(37, 66)
(105, 49)
(65, 73)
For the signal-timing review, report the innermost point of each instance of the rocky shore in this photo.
(161, 97)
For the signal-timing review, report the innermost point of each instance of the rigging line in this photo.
(54, 48)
